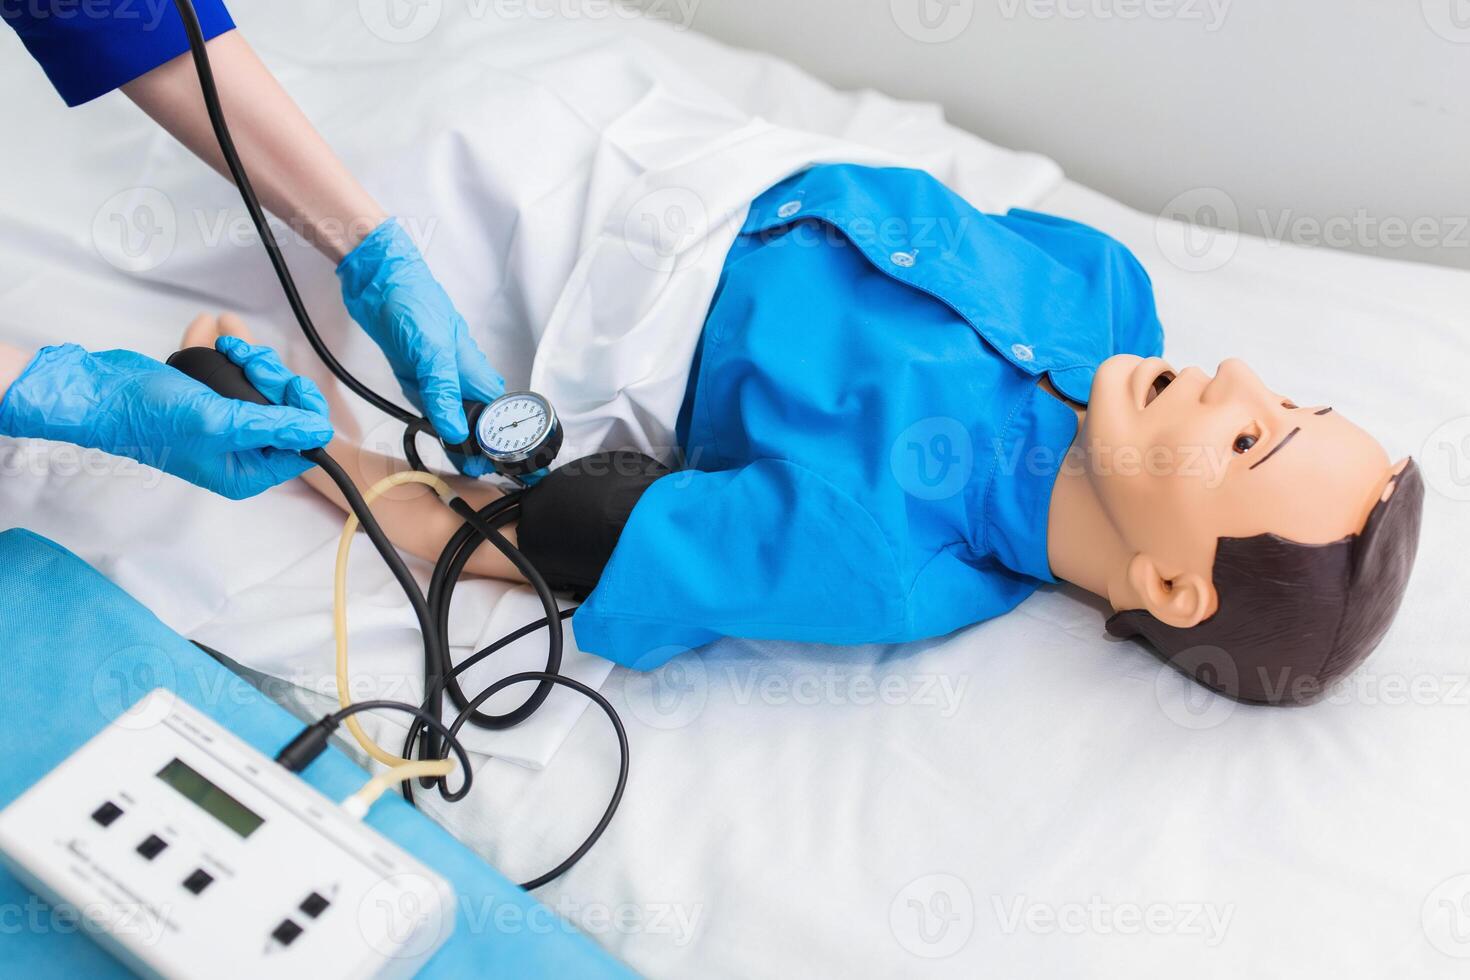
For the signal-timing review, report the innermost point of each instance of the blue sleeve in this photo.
(768, 551)
(90, 47)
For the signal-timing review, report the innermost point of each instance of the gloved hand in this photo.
(130, 405)
(391, 293)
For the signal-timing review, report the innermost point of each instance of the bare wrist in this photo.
(13, 363)
(337, 238)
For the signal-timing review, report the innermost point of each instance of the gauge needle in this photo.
(517, 422)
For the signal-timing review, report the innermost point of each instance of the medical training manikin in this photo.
(905, 415)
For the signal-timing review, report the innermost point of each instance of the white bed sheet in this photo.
(1024, 798)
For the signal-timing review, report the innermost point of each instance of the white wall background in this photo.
(1334, 122)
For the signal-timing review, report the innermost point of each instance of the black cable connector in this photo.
(302, 750)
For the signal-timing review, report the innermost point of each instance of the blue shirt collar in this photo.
(1028, 455)
(1045, 293)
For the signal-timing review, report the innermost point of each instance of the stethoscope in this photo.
(519, 433)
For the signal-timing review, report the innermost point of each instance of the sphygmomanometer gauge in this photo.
(519, 433)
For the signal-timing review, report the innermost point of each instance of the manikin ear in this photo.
(1182, 602)
(1393, 480)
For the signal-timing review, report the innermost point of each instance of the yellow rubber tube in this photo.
(363, 799)
(431, 767)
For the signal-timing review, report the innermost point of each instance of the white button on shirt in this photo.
(904, 260)
(788, 209)
(1021, 352)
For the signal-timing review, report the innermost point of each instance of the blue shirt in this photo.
(872, 457)
(90, 47)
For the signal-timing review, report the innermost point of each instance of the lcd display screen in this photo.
(210, 798)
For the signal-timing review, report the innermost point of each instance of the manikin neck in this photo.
(1082, 545)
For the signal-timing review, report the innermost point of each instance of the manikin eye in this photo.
(1247, 439)
(1157, 388)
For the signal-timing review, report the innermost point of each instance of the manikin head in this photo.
(1265, 545)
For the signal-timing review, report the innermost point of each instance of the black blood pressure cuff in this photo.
(571, 520)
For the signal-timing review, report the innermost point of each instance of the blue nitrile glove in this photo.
(130, 405)
(391, 293)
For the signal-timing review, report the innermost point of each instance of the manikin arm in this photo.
(416, 520)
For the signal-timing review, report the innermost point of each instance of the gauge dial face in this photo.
(514, 425)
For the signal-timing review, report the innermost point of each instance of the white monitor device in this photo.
(187, 853)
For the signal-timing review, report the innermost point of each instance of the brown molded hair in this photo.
(1294, 618)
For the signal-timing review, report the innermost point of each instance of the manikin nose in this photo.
(1233, 380)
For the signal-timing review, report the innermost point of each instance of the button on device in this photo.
(152, 847)
(107, 813)
(198, 881)
(286, 932)
(314, 905)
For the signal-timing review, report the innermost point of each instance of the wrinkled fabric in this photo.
(130, 405)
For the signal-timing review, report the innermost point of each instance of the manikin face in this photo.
(1179, 459)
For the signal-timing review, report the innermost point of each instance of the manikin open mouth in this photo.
(1156, 389)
